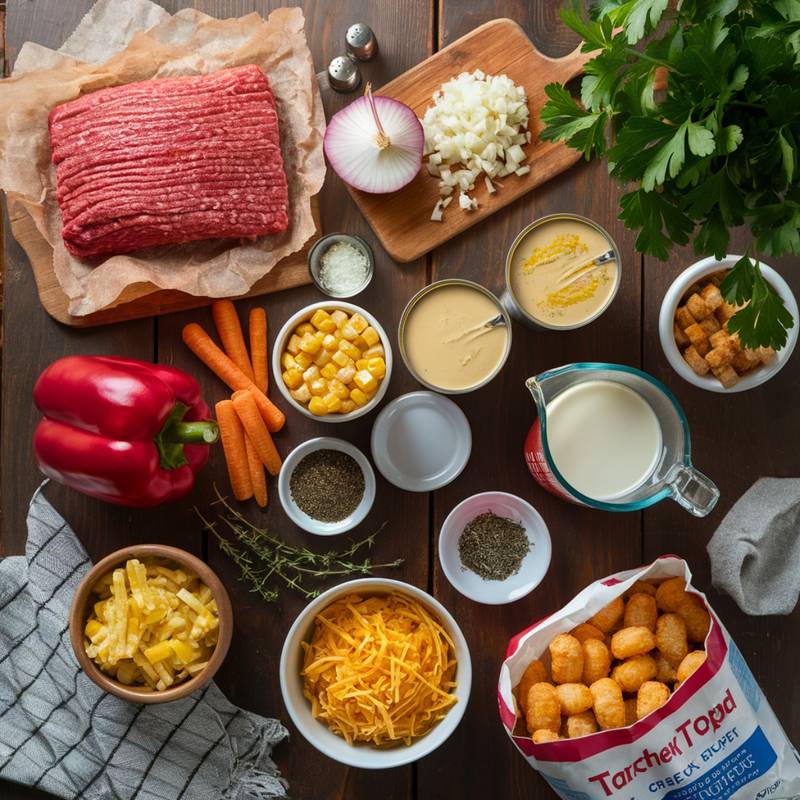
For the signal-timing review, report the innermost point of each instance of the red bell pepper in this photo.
(125, 431)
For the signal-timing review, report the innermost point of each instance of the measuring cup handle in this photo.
(692, 490)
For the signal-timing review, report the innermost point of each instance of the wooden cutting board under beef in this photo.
(169, 160)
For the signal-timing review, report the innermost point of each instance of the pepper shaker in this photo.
(361, 42)
(344, 74)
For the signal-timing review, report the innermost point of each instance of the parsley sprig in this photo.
(716, 149)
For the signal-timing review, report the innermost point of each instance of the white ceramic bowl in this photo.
(302, 519)
(305, 314)
(533, 568)
(666, 318)
(317, 733)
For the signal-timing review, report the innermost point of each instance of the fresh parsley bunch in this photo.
(716, 149)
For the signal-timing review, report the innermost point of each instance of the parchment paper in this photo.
(122, 41)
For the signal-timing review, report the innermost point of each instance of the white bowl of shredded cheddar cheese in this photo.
(343, 706)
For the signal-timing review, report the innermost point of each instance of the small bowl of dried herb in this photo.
(326, 486)
(494, 547)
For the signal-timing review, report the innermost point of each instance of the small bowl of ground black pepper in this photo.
(326, 486)
(494, 548)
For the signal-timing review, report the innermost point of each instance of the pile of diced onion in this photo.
(478, 124)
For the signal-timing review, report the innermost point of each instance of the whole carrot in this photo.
(230, 333)
(203, 346)
(245, 405)
(235, 449)
(257, 476)
(257, 328)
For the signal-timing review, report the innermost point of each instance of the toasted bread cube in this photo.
(719, 357)
(322, 358)
(696, 361)
(358, 322)
(317, 407)
(294, 344)
(302, 395)
(339, 317)
(720, 339)
(697, 306)
(293, 378)
(712, 297)
(727, 376)
(318, 387)
(684, 318)
(288, 362)
(370, 335)
(710, 325)
(681, 339)
(329, 371)
(745, 360)
(765, 354)
(304, 328)
(725, 311)
(330, 342)
(304, 360)
(358, 397)
(696, 334)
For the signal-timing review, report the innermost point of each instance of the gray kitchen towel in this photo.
(61, 733)
(755, 552)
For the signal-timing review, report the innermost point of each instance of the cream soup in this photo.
(444, 339)
(542, 281)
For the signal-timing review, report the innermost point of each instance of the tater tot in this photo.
(544, 708)
(606, 618)
(575, 698)
(596, 661)
(640, 587)
(581, 725)
(665, 672)
(630, 711)
(640, 611)
(651, 695)
(633, 672)
(671, 638)
(534, 673)
(689, 664)
(566, 659)
(696, 618)
(609, 709)
(544, 735)
(586, 631)
(632, 642)
(671, 594)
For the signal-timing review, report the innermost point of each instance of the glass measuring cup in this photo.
(673, 475)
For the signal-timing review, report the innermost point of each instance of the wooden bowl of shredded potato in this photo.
(150, 623)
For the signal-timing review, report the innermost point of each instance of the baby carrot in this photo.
(233, 445)
(257, 477)
(230, 333)
(257, 328)
(201, 344)
(245, 405)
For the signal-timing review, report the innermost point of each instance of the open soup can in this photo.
(562, 272)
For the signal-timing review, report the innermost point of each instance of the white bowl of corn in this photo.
(332, 361)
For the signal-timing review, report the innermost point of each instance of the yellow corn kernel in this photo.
(292, 378)
(329, 371)
(302, 395)
(348, 332)
(365, 381)
(358, 397)
(341, 358)
(338, 317)
(287, 361)
(358, 322)
(361, 363)
(374, 351)
(294, 345)
(304, 328)
(330, 342)
(347, 406)
(337, 388)
(158, 652)
(322, 358)
(317, 407)
(311, 374)
(318, 387)
(376, 367)
(93, 627)
(332, 403)
(346, 374)
(310, 344)
(322, 321)
(349, 349)
(303, 360)
(360, 342)
(370, 335)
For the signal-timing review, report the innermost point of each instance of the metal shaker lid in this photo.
(344, 74)
(361, 42)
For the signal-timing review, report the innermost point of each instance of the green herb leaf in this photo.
(700, 139)
(567, 121)
(642, 12)
(652, 213)
(787, 153)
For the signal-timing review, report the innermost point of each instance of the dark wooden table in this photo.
(737, 438)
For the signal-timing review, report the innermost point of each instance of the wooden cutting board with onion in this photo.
(409, 161)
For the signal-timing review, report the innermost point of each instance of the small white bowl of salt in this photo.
(341, 265)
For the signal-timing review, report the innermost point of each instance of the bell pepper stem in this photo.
(201, 432)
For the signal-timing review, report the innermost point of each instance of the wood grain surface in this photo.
(736, 438)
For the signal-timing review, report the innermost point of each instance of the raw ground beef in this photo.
(169, 160)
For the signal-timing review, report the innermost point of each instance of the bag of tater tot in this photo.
(635, 690)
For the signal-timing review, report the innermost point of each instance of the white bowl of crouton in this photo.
(692, 327)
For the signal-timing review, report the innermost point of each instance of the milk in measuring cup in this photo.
(604, 438)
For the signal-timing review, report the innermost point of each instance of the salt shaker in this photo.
(344, 74)
(361, 42)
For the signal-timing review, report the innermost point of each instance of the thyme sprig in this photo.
(265, 559)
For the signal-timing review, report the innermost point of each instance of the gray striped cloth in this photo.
(59, 732)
